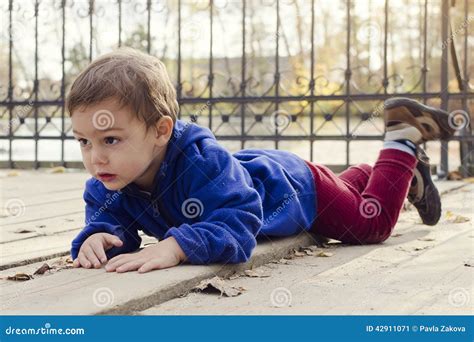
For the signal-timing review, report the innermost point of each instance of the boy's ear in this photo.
(163, 130)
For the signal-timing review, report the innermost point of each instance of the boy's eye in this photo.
(111, 140)
(83, 142)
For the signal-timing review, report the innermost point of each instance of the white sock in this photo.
(399, 146)
(403, 131)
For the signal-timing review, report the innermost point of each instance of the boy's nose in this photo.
(97, 157)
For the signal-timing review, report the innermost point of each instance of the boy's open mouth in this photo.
(106, 177)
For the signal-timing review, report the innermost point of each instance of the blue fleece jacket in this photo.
(214, 203)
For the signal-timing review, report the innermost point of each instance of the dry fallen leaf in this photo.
(234, 276)
(282, 261)
(13, 174)
(461, 219)
(57, 169)
(426, 239)
(454, 175)
(325, 254)
(62, 263)
(298, 254)
(220, 285)
(24, 231)
(256, 273)
(421, 248)
(20, 277)
(42, 269)
(454, 218)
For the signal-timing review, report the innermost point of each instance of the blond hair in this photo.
(137, 80)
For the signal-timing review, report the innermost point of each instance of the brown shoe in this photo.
(423, 193)
(409, 119)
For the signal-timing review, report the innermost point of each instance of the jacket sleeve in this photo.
(225, 210)
(102, 217)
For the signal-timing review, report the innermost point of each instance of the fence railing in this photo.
(276, 71)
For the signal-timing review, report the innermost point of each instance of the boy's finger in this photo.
(112, 240)
(76, 263)
(130, 266)
(91, 257)
(117, 258)
(116, 262)
(151, 265)
(99, 252)
(83, 260)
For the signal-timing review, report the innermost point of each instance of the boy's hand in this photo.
(92, 252)
(164, 254)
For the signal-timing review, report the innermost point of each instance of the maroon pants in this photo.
(362, 204)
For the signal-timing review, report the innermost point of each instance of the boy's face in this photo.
(116, 147)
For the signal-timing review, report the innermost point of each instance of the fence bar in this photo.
(443, 170)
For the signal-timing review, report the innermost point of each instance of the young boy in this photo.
(173, 180)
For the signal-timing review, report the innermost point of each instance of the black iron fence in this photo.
(272, 73)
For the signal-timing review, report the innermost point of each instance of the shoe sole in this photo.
(417, 119)
(430, 202)
(433, 201)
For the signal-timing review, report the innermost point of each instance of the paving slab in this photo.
(95, 291)
(98, 292)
